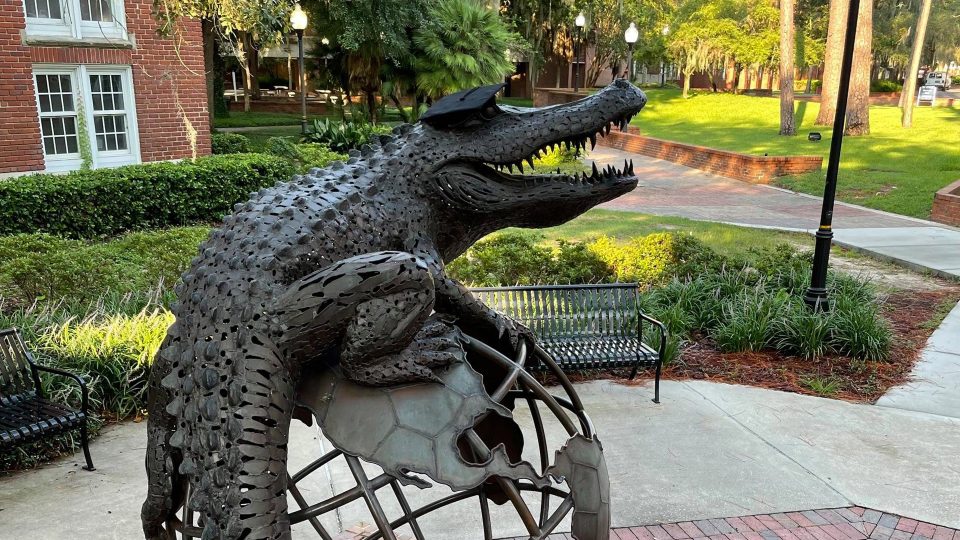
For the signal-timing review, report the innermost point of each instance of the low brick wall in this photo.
(746, 167)
(946, 205)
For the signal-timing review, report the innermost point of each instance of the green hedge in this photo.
(88, 204)
(43, 266)
(229, 143)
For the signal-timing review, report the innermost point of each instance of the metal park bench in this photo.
(25, 415)
(584, 326)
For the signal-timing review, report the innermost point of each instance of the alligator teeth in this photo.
(530, 162)
(593, 142)
(520, 166)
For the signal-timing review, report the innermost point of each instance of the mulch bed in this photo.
(908, 313)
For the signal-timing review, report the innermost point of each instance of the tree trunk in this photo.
(910, 79)
(209, 67)
(809, 87)
(832, 60)
(858, 113)
(686, 83)
(787, 39)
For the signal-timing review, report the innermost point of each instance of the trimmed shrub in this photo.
(42, 266)
(105, 202)
(885, 85)
(229, 143)
(304, 156)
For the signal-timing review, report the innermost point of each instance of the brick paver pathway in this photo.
(669, 189)
(853, 523)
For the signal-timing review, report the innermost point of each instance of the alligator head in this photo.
(467, 170)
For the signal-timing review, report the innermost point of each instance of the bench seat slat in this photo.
(29, 419)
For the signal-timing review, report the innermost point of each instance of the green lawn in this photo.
(725, 239)
(892, 169)
(517, 101)
(253, 119)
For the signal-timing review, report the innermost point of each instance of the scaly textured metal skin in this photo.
(343, 266)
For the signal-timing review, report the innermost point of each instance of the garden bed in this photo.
(831, 376)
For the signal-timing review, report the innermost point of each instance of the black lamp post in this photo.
(298, 20)
(580, 22)
(630, 36)
(816, 295)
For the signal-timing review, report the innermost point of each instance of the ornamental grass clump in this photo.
(749, 321)
(112, 352)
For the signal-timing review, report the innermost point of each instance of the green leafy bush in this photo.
(229, 143)
(304, 156)
(885, 85)
(514, 258)
(105, 202)
(341, 136)
(42, 266)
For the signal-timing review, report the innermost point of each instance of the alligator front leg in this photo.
(475, 317)
(378, 303)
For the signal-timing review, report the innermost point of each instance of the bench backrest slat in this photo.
(559, 312)
(15, 374)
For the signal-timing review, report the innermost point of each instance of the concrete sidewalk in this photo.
(934, 385)
(674, 190)
(708, 451)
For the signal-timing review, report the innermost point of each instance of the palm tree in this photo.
(463, 44)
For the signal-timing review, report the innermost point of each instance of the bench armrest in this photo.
(84, 393)
(663, 332)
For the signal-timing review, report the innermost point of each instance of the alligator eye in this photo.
(489, 112)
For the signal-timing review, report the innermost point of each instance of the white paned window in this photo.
(99, 97)
(58, 115)
(75, 19)
(109, 116)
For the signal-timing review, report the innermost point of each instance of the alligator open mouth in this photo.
(503, 171)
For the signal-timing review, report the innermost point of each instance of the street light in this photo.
(298, 20)
(630, 36)
(816, 295)
(663, 65)
(580, 22)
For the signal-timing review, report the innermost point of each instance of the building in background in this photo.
(93, 83)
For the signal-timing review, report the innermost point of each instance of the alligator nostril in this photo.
(621, 83)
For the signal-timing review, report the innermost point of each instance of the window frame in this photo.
(113, 158)
(59, 162)
(71, 25)
(82, 95)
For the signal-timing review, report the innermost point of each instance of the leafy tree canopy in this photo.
(463, 44)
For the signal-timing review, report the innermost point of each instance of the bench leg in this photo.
(656, 383)
(84, 442)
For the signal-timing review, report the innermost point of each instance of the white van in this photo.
(939, 79)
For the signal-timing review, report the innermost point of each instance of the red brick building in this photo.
(93, 81)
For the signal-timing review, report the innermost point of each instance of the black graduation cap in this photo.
(453, 109)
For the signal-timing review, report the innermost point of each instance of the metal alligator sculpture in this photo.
(343, 268)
